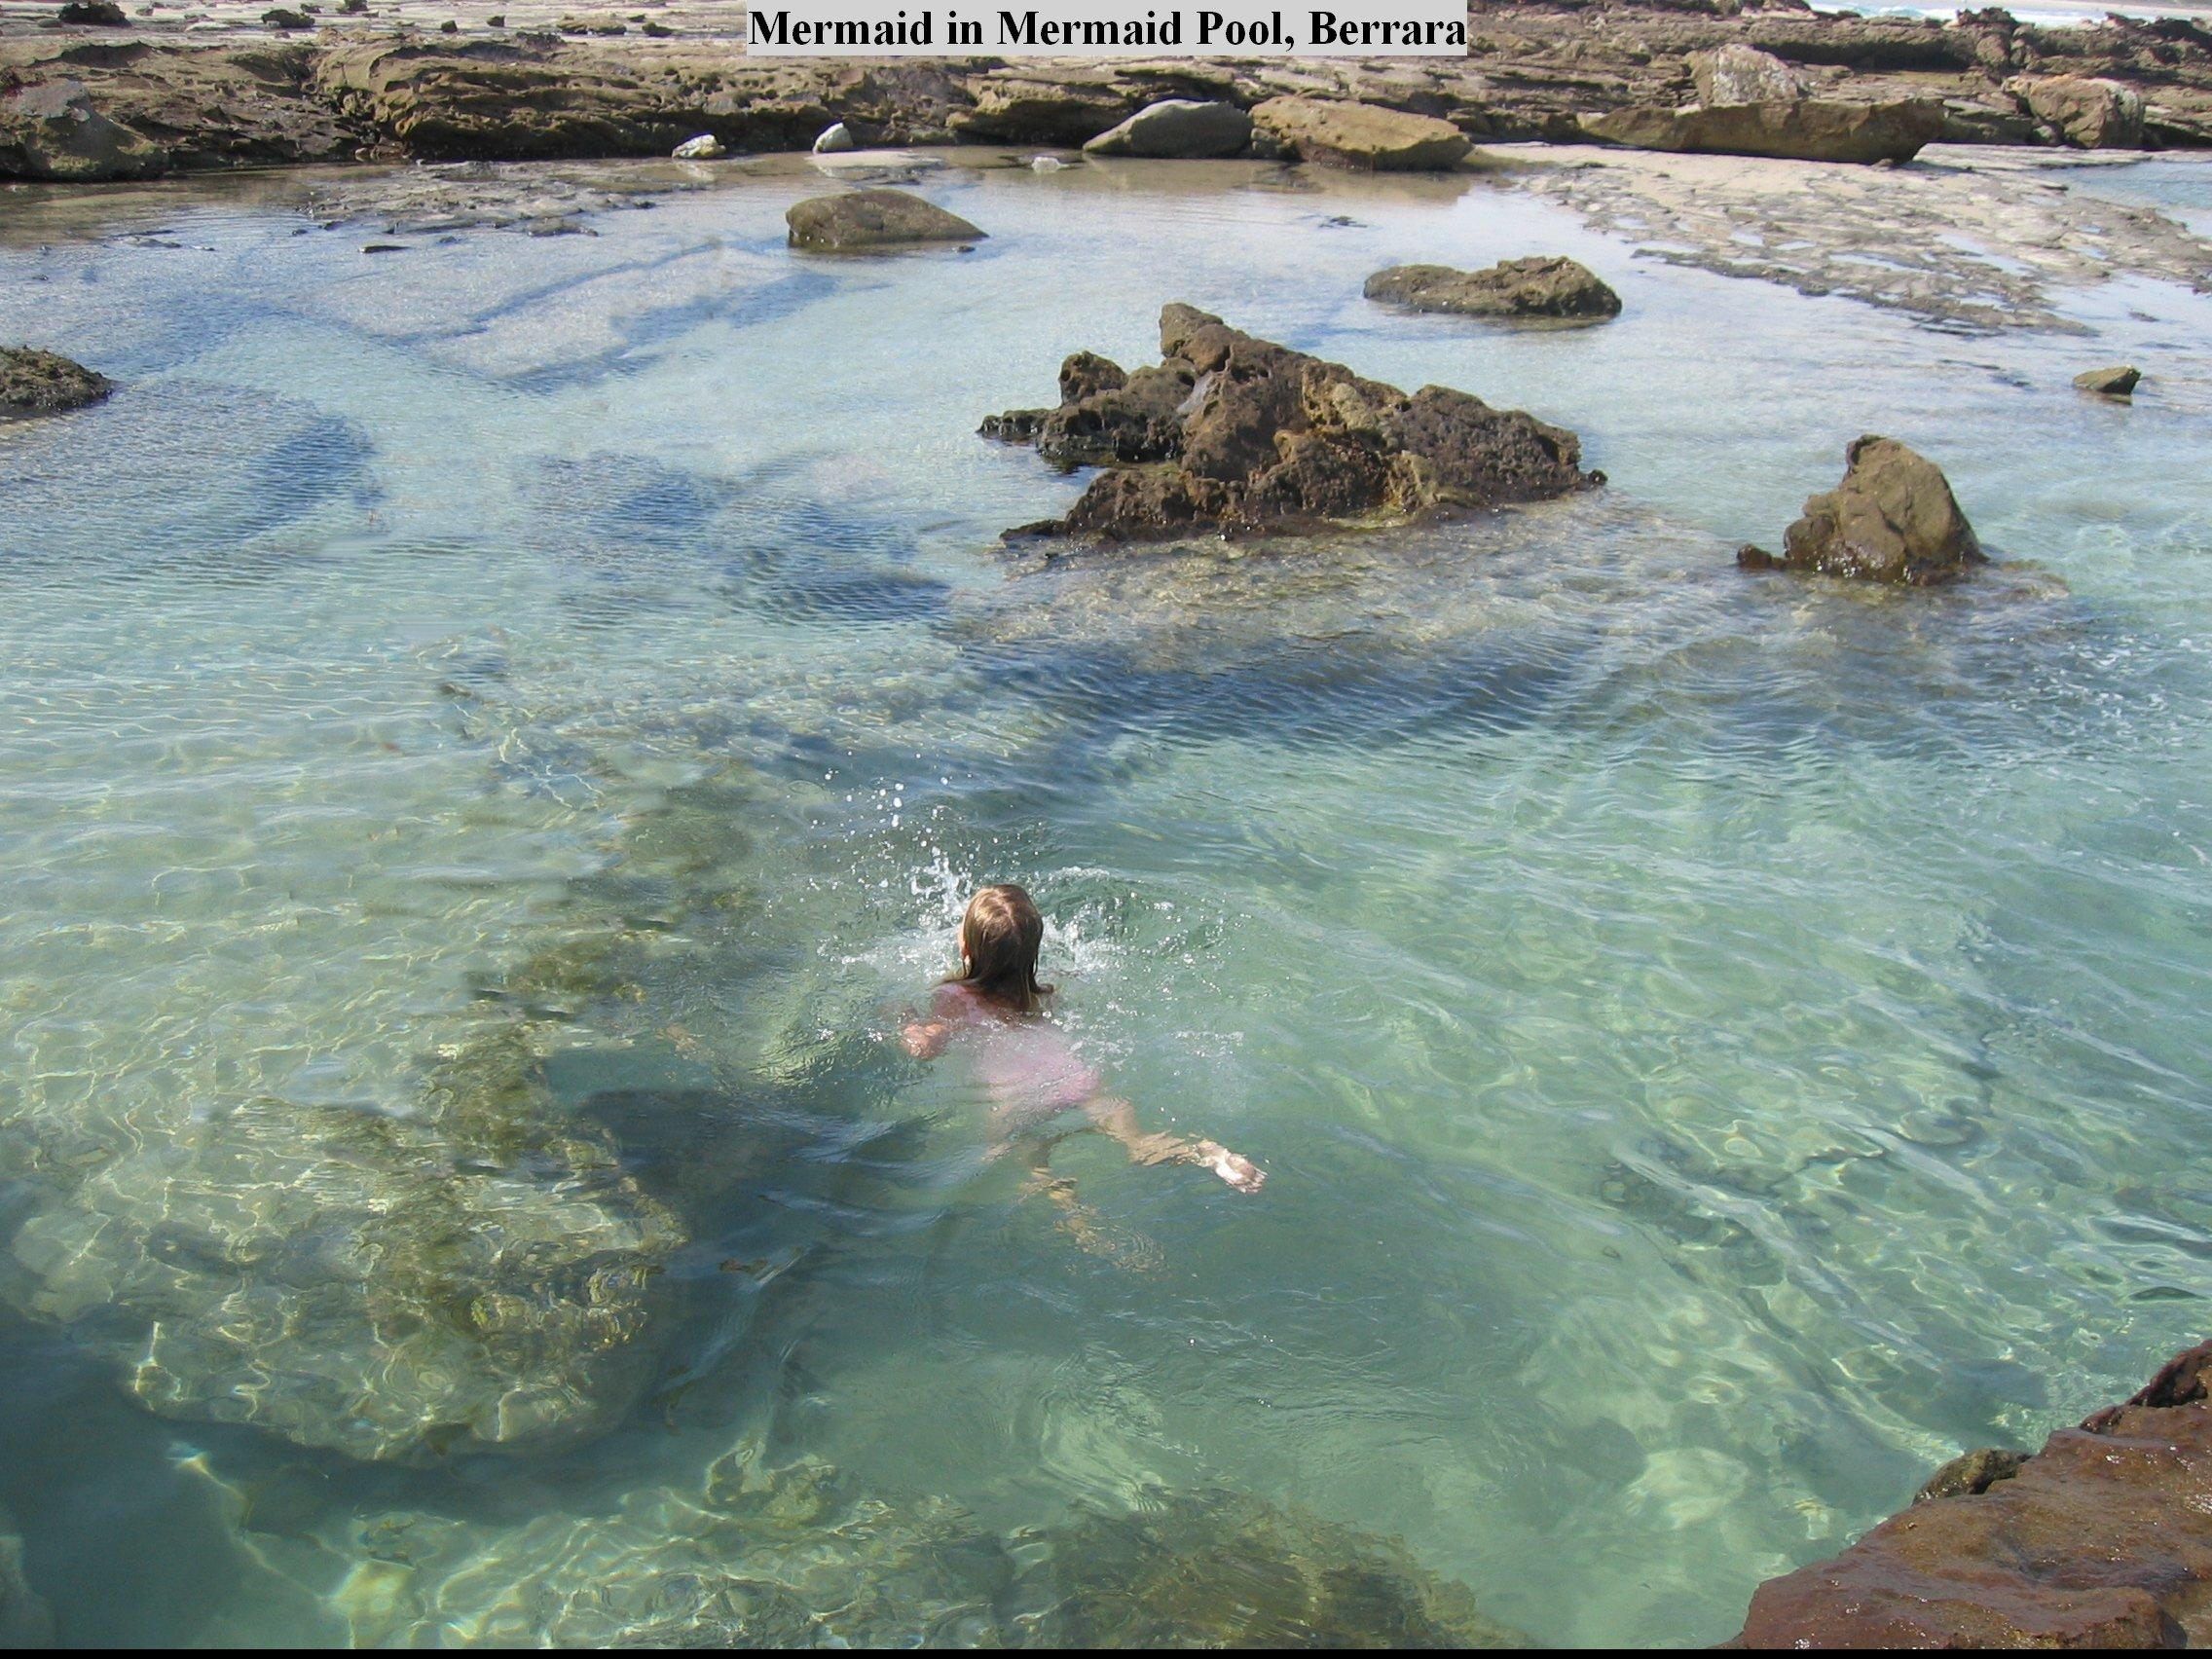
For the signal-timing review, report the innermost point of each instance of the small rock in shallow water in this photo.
(1971, 1475)
(100, 14)
(1554, 288)
(2119, 381)
(44, 383)
(1893, 519)
(833, 138)
(706, 147)
(862, 219)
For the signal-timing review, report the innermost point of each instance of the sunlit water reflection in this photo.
(494, 734)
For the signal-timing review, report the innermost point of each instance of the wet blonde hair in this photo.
(1001, 936)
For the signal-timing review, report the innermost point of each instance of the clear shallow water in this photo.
(494, 734)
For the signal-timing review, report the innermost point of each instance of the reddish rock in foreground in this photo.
(2102, 1539)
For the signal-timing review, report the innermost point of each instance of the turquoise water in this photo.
(496, 733)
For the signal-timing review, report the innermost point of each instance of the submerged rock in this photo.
(1363, 136)
(2101, 1539)
(1740, 74)
(861, 219)
(1556, 288)
(25, 1621)
(1238, 433)
(51, 130)
(2086, 111)
(2119, 381)
(44, 383)
(1805, 130)
(1179, 129)
(1893, 519)
(753, 1555)
(476, 1273)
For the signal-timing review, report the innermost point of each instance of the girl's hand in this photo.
(1241, 1173)
(925, 1038)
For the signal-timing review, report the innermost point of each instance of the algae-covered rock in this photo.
(1554, 290)
(389, 1287)
(1893, 519)
(757, 1554)
(2118, 381)
(1178, 129)
(51, 130)
(2086, 111)
(1366, 137)
(1243, 433)
(860, 220)
(44, 383)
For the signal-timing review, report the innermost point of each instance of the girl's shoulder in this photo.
(953, 1000)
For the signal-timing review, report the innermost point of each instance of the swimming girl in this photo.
(994, 1008)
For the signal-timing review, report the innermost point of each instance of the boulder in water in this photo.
(833, 138)
(1363, 136)
(1240, 433)
(44, 383)
(704, 148)
(1557, 289)
(860, 220)
(2119, 381)
(51, 130)
(1893, 519)
(1179, 129)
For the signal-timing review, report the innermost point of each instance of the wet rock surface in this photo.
(1555, 289)
(1975, 243)
(862, 219)
(1893, 519)
(1241, 433)
(2101, 1539)
(44, 383)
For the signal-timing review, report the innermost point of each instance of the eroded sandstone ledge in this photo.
(2101, 1539)
(362, 90)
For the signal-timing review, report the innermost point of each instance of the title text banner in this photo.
(1097, 28)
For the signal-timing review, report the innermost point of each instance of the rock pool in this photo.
(494, 731)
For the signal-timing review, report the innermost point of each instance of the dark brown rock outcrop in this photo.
(1553, 289)
(1241, 433)
(1893, 519)
(44, 383)
(2101, 1539)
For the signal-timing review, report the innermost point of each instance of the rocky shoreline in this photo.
(2101, 1539)
(213, 87)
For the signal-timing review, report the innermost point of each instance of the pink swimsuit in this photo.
(1025, 1064)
